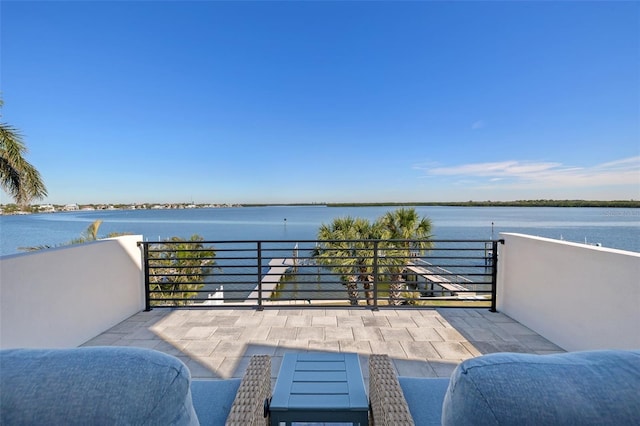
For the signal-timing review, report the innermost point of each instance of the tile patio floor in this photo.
(218, 343)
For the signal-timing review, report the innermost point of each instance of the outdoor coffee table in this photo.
(319, 387)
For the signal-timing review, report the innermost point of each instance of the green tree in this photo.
(404, 225)
(178, 269)
(336, 251)
(347, 246)
(18, 177)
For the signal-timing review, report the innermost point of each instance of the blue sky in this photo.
(284, 102)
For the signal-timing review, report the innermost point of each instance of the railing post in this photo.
(375, 276)
(494, 274)
(259, 248)
(147, 289)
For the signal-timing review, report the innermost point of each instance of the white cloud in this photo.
(544, 175)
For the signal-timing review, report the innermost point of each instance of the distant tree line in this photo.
(517, 203)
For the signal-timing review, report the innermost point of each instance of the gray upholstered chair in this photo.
(123, 385)
(576, 388)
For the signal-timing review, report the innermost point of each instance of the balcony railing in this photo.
(365, 273)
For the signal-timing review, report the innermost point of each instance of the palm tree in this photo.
(346, 246)
(18, 177)
(179, 269)
(403, 224)
(337, 251)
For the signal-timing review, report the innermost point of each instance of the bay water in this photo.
(613, 228)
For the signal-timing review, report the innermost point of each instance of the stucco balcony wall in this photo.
(579, 297)
(65, 296)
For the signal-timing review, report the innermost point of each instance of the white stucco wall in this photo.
(579, 297)
(65, 296)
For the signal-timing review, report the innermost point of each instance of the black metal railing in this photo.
(365, 273)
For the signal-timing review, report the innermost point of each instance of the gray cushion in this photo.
(212, 400)
(94, 385)
(424, 397)
(578, 388)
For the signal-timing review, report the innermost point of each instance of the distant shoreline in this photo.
(629, 204)
(12, 209)
(518, 203)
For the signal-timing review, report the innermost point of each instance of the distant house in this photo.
(46, 208)
(70, 207)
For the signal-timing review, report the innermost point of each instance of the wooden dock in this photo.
(432, 277)
(270, 280)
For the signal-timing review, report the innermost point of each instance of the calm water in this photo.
(615, 228)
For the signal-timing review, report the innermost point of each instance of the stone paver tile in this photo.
(229, 367)
(199, 333)
(414, 368)
(454, 312)
(450, 334)
(352, 346)
(125, 327)
(516, 329)
(425, 334)
(200, 347)
(274, 321)
(104, 339)
(428, 321)
(278, 333)
(203, 320)
(258, 347)
(402, 321)
(171, 320)
(324, 321)
(385, 313)
(173, 333)
(350, 321)
(497, 317)
(480, 334)
(538, 343)
(316, 312)
(310, 333)
(266, 313)
(200, 371)
(249, 321)
(225, 320)
(501, 333)
(254, 333)
(226, 333)
(290, 312)
(338, 333)
(324, 345)
(452, 350)
(455, 322)
(499, 346)
(471, 348)
(285, 346)
(369, 334)
(241, 367)
(211, 363)
(375, 321)
(229, 348)
(419, 350)
(443, 368)
(299, 321)
(428, 312)
(393, 349)
(360, 312)
(395, 334)
(148, 344)
(173, 348)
